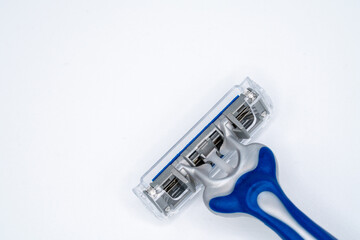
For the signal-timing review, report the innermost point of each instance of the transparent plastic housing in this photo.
(156, 187)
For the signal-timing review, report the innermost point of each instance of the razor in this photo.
(236, 177)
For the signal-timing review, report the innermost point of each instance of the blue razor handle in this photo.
(251, 187)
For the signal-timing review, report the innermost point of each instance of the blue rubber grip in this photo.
(243, 199)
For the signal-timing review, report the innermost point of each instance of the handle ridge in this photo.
(244, 199)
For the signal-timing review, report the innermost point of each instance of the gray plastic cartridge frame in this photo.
(165, 188)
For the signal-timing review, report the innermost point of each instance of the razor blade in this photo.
(237, 178)
(166, 187)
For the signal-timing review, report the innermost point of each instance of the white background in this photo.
(92, 93)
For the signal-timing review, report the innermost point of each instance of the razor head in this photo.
(167, 187)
